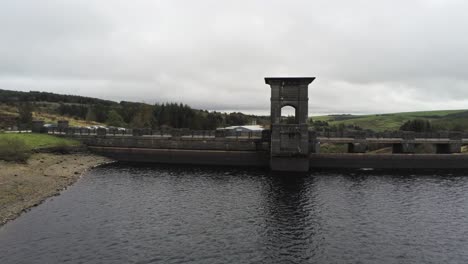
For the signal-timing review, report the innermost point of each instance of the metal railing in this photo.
(168, 133)
(206, 134)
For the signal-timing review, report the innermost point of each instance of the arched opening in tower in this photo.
(288, 115)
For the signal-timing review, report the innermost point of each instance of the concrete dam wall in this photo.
(185, 156)
(252, 152)
(155, 142)
(197, 151)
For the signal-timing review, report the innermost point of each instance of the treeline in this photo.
(7, 96)
(324, 126)
(421, 125)
(414, 125)
(139, 115)
(418, 125)
(123, 114)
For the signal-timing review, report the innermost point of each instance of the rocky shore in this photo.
(25, 185)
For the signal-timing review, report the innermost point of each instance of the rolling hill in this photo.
(441, 119)
(51, 107)
(20, 108)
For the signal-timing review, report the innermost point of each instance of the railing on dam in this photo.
(204, 134)
(356, 141)
(167, 133)
(169, 139)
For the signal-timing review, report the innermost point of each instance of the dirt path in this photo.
(23, 186)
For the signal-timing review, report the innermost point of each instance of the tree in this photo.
(128, 110)
(236, 119)
(290, 119)
(73, 110)
(143, 118)
(25, 115)
(417, 125)
(90, 115)
(114, 119)
(101, 110)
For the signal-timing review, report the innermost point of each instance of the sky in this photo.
(368, 56)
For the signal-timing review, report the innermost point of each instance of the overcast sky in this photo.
(369, 56)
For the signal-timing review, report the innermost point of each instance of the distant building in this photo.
(250, 128)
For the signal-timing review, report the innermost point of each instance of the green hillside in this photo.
(19, 109)
(85, 111)
(442, 119)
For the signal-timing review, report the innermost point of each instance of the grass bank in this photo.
(18, 147)
(35, 141)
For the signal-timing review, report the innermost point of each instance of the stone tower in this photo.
(289, 142)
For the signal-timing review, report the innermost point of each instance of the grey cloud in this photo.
(368, 56)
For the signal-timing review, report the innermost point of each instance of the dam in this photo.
(291, 146)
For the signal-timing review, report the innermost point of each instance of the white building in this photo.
(250, 128)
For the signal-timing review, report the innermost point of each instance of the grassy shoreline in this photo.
(25, 185)
(35, 141)
(19, 147)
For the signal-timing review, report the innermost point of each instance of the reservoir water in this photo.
(159, 214)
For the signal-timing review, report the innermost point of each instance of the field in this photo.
(48, 111)
(44, 111)
(443, 119)
(53, 118)
(18, 147)
(35, 141)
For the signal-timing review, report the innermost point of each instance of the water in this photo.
(127, 214)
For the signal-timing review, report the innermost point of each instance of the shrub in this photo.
(62, 148)
(14, 149)
(333, 148)
(417, 125)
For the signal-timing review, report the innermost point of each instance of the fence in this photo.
(172, 133)
(186, 133)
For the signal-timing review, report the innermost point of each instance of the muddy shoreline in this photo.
(25, 185)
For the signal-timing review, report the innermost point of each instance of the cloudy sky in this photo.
(369, 56)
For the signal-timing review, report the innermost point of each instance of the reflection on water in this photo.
(160, 214)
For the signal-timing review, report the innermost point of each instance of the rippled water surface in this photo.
(129, 214)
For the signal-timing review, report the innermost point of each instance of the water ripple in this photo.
(129, 214)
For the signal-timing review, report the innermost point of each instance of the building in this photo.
(250, 128)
